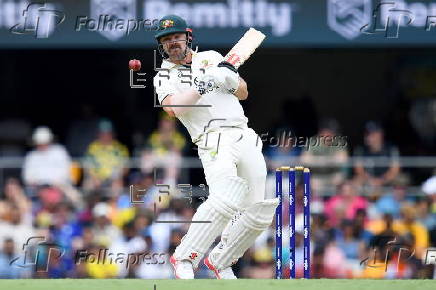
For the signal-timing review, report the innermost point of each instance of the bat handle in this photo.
(234, 59)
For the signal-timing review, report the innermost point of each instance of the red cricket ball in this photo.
(135, 65)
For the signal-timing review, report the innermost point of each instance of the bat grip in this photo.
(234, 60)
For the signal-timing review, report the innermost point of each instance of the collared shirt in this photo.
(224, 108)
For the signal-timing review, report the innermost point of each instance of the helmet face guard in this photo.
(189, 39)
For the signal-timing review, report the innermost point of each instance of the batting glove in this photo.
(231, 76)
(225, 75)
(204, 83)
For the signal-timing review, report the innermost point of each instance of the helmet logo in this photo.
(167, 23)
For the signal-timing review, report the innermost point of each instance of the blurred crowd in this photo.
(67, 217)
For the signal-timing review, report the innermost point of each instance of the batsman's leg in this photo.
(227, 193)
(239, 235)
(210, 219)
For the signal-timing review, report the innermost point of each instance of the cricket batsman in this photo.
(231, 152)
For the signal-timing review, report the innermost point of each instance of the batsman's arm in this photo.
(169, 111)
(170, 98)
(186, 97)
(242, 91)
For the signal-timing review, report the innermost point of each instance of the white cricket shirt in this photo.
(224, 110)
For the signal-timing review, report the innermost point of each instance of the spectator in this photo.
(106, 160)
(96, 269)
(161, 232)
(347, 241)
(103, 231)
(344, 205)
(375, 260)
(376, 149)
(150, 192)
(328, 156)
(407, 228)
(15, 215)
(15, 196)
(65, 226)
(336, 253)
(7, 254)
(18, 227)
(280, 152)
(321, 230)
(128, 243)
(391, 202)
(48, 164)
(429, 187)
(160, 269)
(334, 261)
(164, 151)
(360, 227)
(49, 198)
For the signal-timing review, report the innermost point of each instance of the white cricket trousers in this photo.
(234, 152)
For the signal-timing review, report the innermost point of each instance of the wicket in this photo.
(278, 217)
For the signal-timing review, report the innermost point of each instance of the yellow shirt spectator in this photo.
(404, 226)
(107, 160)
(162, 145)
(101, 270)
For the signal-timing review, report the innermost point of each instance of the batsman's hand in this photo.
(225, 75)
(204, 83)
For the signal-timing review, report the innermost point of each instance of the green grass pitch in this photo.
(133, 284)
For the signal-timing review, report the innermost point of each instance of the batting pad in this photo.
(242, 234)
(210, 220)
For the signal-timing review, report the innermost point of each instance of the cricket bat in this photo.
(245, 47)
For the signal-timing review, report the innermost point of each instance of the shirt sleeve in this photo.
(163, 87)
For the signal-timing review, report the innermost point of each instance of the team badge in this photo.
(205, 63)
(167, 23)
